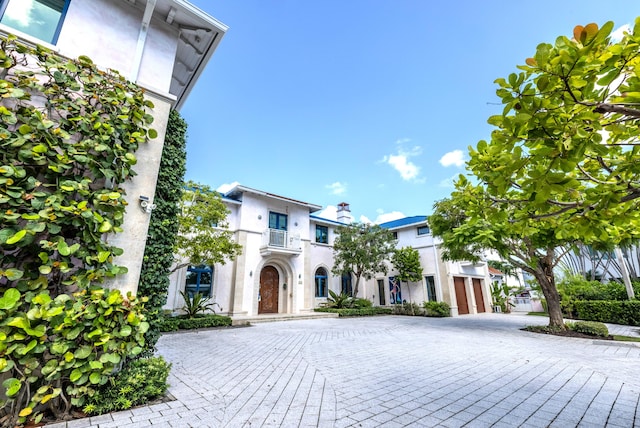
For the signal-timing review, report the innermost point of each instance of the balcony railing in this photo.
(280, 241)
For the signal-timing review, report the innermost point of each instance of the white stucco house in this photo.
(285, 266)
(162, 45)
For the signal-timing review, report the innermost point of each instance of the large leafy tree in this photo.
(363, 250)
(562, 162)
(470, 222)
(566, 142)
(203, 237)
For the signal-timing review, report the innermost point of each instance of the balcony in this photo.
(276, 241)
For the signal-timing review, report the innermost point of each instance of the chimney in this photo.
(344, 213)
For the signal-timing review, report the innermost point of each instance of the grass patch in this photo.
(626, 338)
(538, 314)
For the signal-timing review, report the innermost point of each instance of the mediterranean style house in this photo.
(162, 45)
(285, 266)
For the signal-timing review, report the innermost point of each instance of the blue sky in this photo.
(369, 102)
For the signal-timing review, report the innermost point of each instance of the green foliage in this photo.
(407, 262)
(592, 328)
(564, 149)
(362, 249)
(338, 301)
(360, 303)
(616, 312)
(202, 321)
(196, 303)
(407, 308)
(576, 288)
(203, 237)
(59, 350)
(357, 312)
(68, 134)
(500, 296)
(139, 382)
(163, 227)
(437, 309)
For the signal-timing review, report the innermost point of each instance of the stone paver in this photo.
(469, 371)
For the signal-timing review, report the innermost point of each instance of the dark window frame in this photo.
(321, 282)
(421, 230)
(322, 234)
(199, 287)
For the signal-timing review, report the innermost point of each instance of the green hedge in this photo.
(616, 312)
(181, 323)
(357, 312)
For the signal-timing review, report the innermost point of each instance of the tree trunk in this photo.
(545, 277)
(355, 289)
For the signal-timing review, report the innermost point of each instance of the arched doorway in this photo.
(269, 286)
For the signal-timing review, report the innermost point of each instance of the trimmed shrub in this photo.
(357, 312)
(625, 312)
(592, 328)
(139, 382)
(362, 303)
(437, 309)
(203, 321)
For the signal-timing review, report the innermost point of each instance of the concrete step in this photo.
(248, 320)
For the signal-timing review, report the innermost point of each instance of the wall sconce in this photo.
(146, 204)
(250, 273)
(299, 275)
(259, 217)
(284, 286)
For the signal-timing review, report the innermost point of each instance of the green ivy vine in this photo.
(68, 136)
(163, 228)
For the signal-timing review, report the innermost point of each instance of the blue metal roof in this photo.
(326, 220)
(406, 221)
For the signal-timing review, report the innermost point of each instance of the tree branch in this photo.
(618, 109)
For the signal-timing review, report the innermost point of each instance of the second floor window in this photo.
(423, 230)
(277, 221)
(38, 18)
(322, 234)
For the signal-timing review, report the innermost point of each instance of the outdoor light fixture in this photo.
(250, 273)
(146, 204)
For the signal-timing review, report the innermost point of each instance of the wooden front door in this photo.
(461, 295)
(477, 292)
(269, 285)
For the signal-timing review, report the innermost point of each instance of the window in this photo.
(277, 221)
(322, 234)
(321, 282)
(395, 235)
(423, 230)
(38, 18)
(431, 288)
(277, 229)
(381, 291)
(347, 285)
(199, 280)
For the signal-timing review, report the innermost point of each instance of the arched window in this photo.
(321, 282)
(199, 280)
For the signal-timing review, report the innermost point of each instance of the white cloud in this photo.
(337, 188)
(455, 157)
(20, 11)
(401, 163)
(385, 217)
(365, 220)
(618, 33)
(224, 188)
(330, 212)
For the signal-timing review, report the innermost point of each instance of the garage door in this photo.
(461, 295)
(477, 293)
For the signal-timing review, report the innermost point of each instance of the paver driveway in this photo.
(475, 371)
